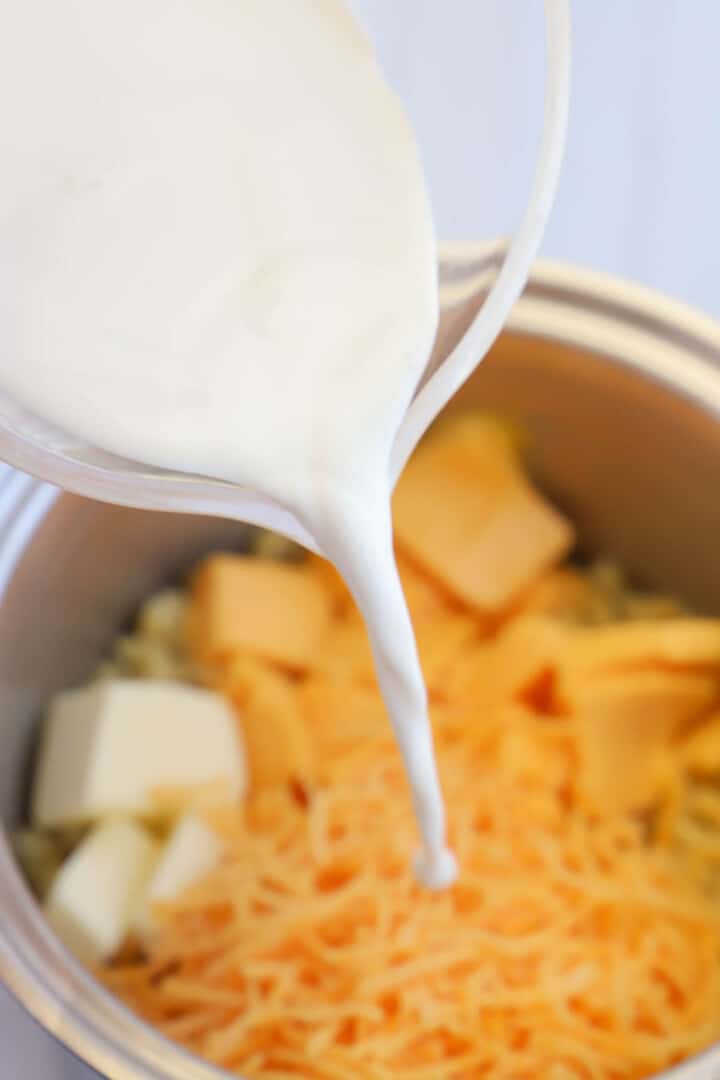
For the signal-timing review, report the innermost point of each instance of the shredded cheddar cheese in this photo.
(581, 771)
(569, 947)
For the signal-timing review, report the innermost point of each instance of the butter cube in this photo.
(95, 895)
(191, 852)
(107, 748)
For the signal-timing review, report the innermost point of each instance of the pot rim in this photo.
(662, 339)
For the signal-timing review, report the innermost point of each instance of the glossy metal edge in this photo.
(53, 986)
(632, 326)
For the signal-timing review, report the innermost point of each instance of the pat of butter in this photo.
(107, 748)
(95, 894)
(191, 852)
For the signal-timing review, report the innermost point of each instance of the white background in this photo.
(640, 186)
(641, 182)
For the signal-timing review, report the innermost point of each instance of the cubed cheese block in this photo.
(279, 747)
(94, 897)
(503, 668)
(441, 636)
(108, 748)
(682, 644)
(464, 511)
(191, 851)
(256, 606)
(343, 715)
(624, 722)
(564, 594)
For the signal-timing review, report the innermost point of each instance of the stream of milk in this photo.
(217, 256)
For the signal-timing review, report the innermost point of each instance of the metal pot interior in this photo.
(634, 462)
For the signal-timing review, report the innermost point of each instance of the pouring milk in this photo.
(217, 256)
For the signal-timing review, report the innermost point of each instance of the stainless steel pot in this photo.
(621, 394)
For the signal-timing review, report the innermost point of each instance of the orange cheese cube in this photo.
(564, 593)
(260, 607)
(624, 723)
(345, 654)
(499, 669)
(468, 516)
(685, 644)
(341, 713)
(278, 745)
(441, 642)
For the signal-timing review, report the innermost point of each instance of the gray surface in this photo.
(29, 1053)
(638, 192)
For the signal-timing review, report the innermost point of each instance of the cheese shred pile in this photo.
(580, 763)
